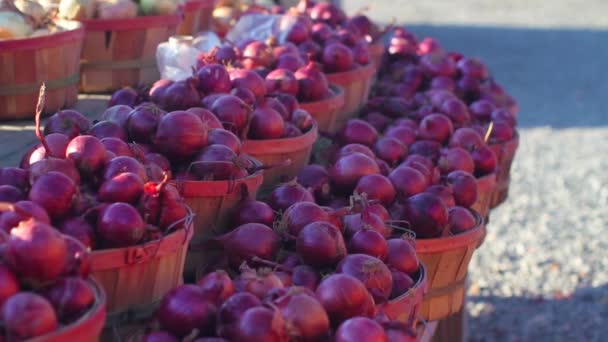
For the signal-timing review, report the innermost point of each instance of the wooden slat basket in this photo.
(122, 52)
(28, 62)
(356, 84)
(485, 189)
(196, 17)
(326, 111)
(505, 153)
(447, 261)
(212, 203)
(136, 278)
(88, 327)
(406, 307)
(276, 151)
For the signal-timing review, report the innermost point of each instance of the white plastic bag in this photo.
(176, 58)
(261, 27)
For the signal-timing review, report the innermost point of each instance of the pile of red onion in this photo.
(91, 184)
(43, 273)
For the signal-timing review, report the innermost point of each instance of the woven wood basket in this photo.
(122, 52)
(486, 186)
(326, 111)
(406, 307)
(26, 63)
(505, 153)
(447, 261)
(275, 151)
(356, 84)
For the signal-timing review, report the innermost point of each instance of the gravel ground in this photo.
(542, 273)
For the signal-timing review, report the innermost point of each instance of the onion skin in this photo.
(37, 252)
(9, 284)
(79, 229)
(300, 214)
(78, 263)
(21, 311)
(303, 313)
(464, 187)
(252, 211)
(218, 285)
(184, 309)
(248, 240)
(347, 171)
(71, 297)
(231, 311)
(125, 187)
(402, 256)
(402, 282)
(305, 276)
(369, 242)
(285, 195)
(377, 187)
(180, 135)
(261, 324)
(371, 271)
(360, 329)
(120, 225)
(320, 244)
(344, 296)
(427, 214)
(54, 192)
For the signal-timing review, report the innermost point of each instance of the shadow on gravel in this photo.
(558, 76)
(580, 316)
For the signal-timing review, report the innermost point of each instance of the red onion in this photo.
(302, 120)
(282, 81)
(207, 117)
(266, 123)
(184, 309)
(125, 96)
(461, 220)
(125, 187)
(143, 122)
(437, 64)
(321, 32)
(312, 83)
(226, 138)
(408, 181)
(305, 276)
(464, 187)
(360, 329)
(466, 138)
(310, 49)
(485, 161)
(289, 61)
(106, 129)
(213, 78)
(444, 192)
(250, 80)
(14, 176)
(501, 132)
(470, 66)
(258, 283)
(11, 194)
(120, 225)
(180, 135)
(27, 315)
(337, 57)
(117, 146)
(289, 102)
(328, 13)
(80, 229)
(118, 114)
(426, 213)
(260, 324)
(231, 311)
(217, 285)
(79, 261)
(426, 148)
(181, 95)
(347, 171)
(402, 256)
(357, 131)
(286, 194)
(124, 164)
(249, 240)
(455, 158)
(391, 150)
(405, 135)
(366, 219)
(351, 148)
(67, 122)
(37, 252)
(436, 127)
(371, 271)
(443, 83)
(252, 211)
(54, 192)
(285, 48)
(402, 282)
(159, 336)
(457, 111)
(48, 165)
(71, 297)
(370, 242)
(257, 54)
(300, 214)
(320, 244)
(23, 211)
(9, 284)
(232, 112)
(87, 152)
(344, 296)
(216, 162)
(315, 178)
(303, 313)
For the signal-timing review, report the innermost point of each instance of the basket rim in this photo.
(97, 312)
(140, 22)
(256, 177)
(46, 41)
(336, 101)
(513, 141)
(285, 145)
(103, 259)
(447, 243)
(359, 74)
